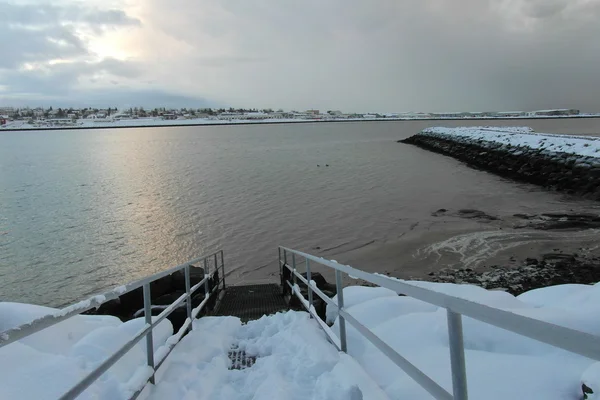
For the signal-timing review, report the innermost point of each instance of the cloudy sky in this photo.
(378, 55)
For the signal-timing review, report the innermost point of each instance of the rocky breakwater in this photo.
(551, 269)
(163, 292)
(569, 164)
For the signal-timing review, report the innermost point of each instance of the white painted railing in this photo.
(565, 338)
(46, 321)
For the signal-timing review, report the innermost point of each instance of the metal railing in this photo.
(154, 359)
(564, 338)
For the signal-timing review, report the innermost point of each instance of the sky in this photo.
(378, 55)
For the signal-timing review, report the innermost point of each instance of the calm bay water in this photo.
(82, 211)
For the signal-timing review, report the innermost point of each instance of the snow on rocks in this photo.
(561, 162)
(522, 137)
(48, 363)
(500, 364)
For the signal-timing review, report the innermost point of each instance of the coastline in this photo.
(205, 122)
(565, 163)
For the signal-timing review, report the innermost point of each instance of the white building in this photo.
(230, 116)
(7, 111)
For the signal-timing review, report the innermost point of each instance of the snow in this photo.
(294, 360)
(48, 363)
(354, 295)
(523, 137)
(500, 364)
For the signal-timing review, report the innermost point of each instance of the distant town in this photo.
(40, 118)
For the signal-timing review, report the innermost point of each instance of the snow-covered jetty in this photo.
(561, 162)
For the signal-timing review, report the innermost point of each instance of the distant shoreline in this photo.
(310, 121)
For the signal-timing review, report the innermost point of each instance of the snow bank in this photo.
(48, 363)
(524, 137)
(500, 364)
(357, 294)
(293, 361)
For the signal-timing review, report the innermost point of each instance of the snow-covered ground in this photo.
(140, 122)
(500, 365)
(294, 360)
(523, 137)
(48, 363)
(157, 121)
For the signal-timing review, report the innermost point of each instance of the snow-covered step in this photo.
(294, 360)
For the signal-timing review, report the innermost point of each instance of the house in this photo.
(558, 112)
(511, 114)
(230, 116)
(282, 115)
(257, 115)
(121, 116)
(7, 111)
(61, 121)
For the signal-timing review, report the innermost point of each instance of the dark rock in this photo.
(319, 280)
(554, 269)
(586, 390)
(554, 170)
(163, 291)
(476, 214)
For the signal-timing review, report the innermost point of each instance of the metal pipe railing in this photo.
(44, 322)
(555, 335)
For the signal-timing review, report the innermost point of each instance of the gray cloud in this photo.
(388, 55)
(120, 97)
(20, 45)
(49, 14)
(394, 56)
(57, 79)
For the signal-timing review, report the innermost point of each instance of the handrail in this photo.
(564, 338)
(46, 321)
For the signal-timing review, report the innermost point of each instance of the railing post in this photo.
(308, 279)
(216, 264)
(223, 267)
(148, 318)
(340, 302)
(206, 277)
(294, 269)
(285, 262)
(281, 282)
(188, 302)
(457, 356)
